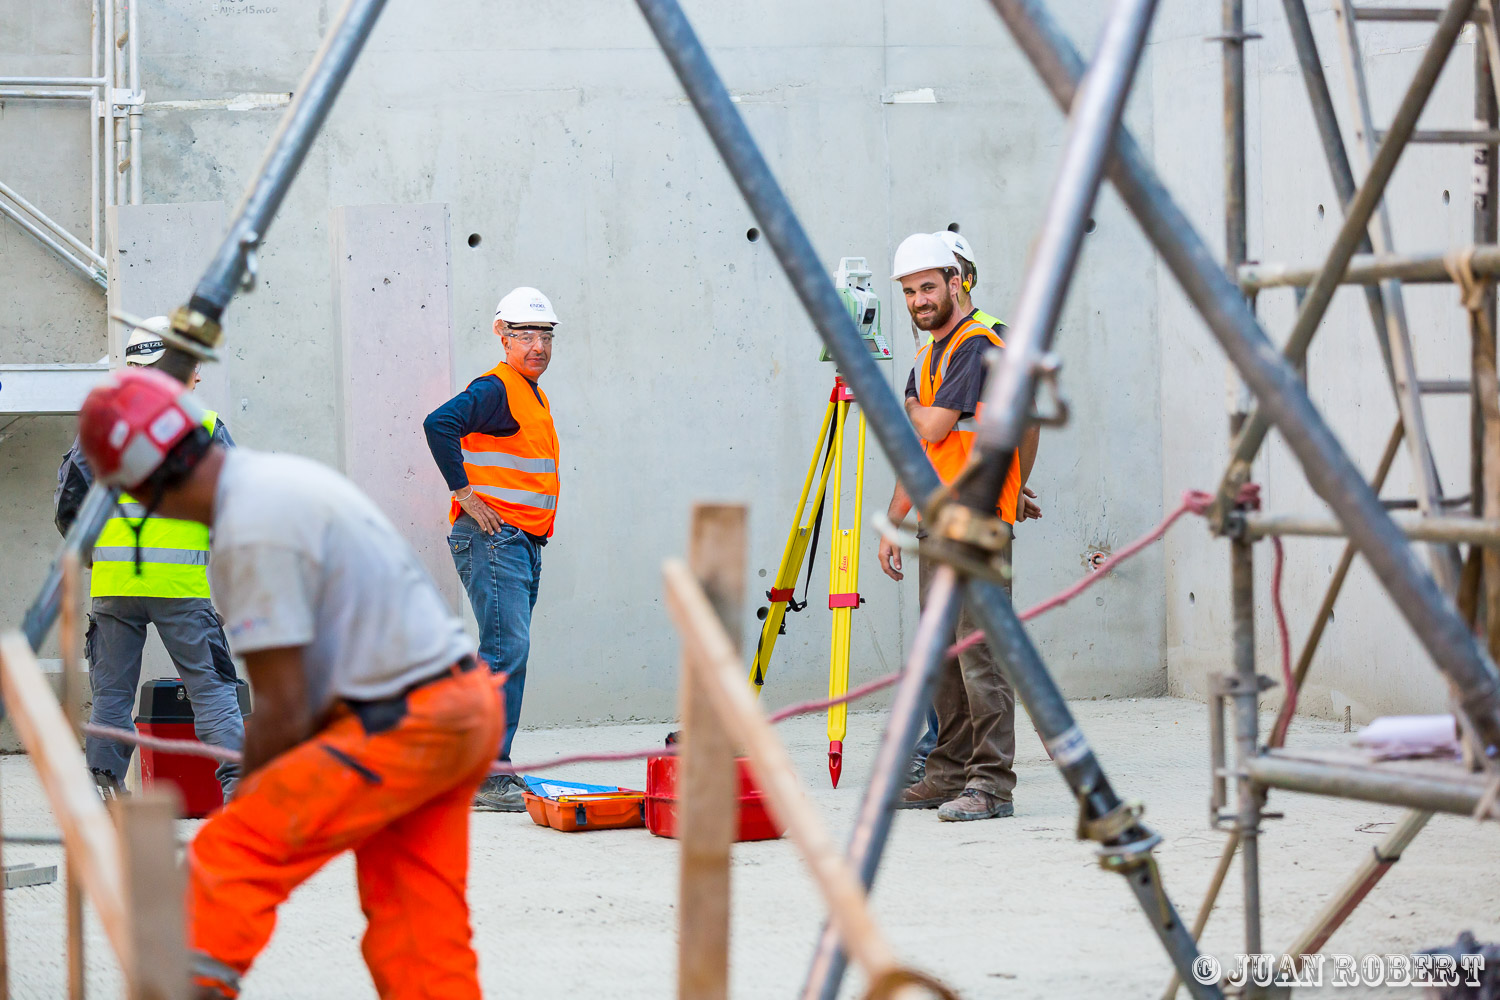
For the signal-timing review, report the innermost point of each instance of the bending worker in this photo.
(158, 577)
(969, 774)
(373, 724)
(497, 448)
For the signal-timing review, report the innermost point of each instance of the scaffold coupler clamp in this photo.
(1049, 385)
(975, 544)
(194, 332)
(1126, 856)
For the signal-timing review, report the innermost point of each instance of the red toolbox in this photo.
(165, 712)
(755, 823)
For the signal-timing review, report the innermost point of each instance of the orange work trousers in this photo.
(399, 798)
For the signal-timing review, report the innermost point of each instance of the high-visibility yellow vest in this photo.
(174, 554)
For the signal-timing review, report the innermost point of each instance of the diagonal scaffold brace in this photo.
(1103, 816)
(196, 327)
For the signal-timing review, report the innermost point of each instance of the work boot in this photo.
(501, 793)
(922, 795)
(975, 804)
(110, 787)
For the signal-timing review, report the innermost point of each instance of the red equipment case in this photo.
(165, 712)
(755, 821)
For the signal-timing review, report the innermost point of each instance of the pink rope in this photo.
(187, 748)
(1193, 502)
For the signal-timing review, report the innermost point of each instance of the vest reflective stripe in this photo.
(516, 475)
(541, 501)
(169, 557)
(500, 460)
(174, 554)
(950, 455)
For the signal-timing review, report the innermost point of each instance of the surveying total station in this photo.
(855, 284)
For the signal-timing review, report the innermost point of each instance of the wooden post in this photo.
(720, 676)
(707, 784)
(88, 834)
(72, 702)
(155, 962)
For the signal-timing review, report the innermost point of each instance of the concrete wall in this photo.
(568, 158)
(1368, 659)
(684, 368)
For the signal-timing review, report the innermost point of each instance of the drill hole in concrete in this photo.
(1089, 226)
(1445, 197)
(952, 227)
(474, 240)
(1192, 598)
(752, 234)
(1320, 211)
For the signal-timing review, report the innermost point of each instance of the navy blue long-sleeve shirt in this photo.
(482, 408)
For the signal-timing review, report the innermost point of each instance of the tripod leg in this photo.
(842, 600)
(791, 556)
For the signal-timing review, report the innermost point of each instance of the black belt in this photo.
(381, 714)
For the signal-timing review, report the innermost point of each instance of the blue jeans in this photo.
(501, 573)
(929, 738)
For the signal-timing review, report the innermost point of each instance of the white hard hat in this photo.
(957, 244)
(145, 346)
(525, 305)
(921, 252)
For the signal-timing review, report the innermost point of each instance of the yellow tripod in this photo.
(843, 566)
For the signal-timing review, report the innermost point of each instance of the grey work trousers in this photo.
(976, 710)
(190, 630)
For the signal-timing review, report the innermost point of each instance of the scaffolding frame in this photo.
(1471, 585)
(964, 535)
(115, 105)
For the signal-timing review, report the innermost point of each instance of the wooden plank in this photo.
(719, 671)
(69, 636)
(707, 785)
(157, 964)
(87, 831)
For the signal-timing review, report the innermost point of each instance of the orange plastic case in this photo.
(595, 811)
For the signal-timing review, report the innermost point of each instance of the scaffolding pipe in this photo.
(95, 225)
(1442, 529)
(809, 278)
(56, 228)
(872, 826)
(44, 94)
(52, 81)
(1092, 122)
(1452, 136)
(24, 221)
(1277, 386)
(1459, 795)
(135, 109)
(98, 507)
(299, 127)
(1351, 236)
(1371, 269)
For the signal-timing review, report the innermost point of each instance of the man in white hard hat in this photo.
(969, 774)
(157, 578)
(497, 448)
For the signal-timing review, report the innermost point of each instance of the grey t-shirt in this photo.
(300, 557)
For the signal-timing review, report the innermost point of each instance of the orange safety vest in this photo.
(516, 475)
(949, 455)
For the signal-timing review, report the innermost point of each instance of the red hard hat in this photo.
(128, 425)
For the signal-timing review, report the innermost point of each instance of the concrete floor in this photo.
(1009, 908)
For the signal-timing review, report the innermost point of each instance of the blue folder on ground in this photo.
(551, 788)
